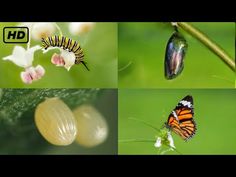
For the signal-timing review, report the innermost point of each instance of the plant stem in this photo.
(30, 29)
(58, 28)
(137, 141)
(208, 43)
(124, 67)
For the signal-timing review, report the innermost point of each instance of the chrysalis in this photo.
(175, 52)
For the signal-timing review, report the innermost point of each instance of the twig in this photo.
(124, 67)
(58, 28)
(208, 43)
(137, 141)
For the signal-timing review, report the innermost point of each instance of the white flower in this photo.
(167, 140)
(65, 58)
(77, 28)
(158, 142)
(57, 60)
(42, 30)
(32, 74)
(69, 58)
(22, 57)
(170, 139)
(26, 24)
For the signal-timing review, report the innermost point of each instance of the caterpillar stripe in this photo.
(66, 44)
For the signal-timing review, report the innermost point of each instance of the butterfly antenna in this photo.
(85, 65)
(164, 125)
(145, 123)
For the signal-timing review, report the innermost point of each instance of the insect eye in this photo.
(174, 57)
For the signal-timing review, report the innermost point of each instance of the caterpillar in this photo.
(67, 44)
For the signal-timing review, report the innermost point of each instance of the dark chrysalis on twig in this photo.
(174, 58)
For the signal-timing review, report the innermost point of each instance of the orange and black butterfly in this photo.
(181, 120)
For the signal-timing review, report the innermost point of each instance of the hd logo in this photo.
(15, 34)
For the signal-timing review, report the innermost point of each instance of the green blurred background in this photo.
(18, 132)
(143, 45)
(99, 45)
(214, 114)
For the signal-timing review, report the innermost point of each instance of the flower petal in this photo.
(57, 60)
(69, 58)
(22, 57)
(170, 139)
(26, 24)
(65, 58)
(158, 142)
(42, 30)
(40, 71)
(32, 72)
(18, 56)
(29, 55)
(25, 77)
(78, 28)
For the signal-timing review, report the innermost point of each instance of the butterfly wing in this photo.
(181, 119)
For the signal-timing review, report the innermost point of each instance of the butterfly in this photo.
(181, 119)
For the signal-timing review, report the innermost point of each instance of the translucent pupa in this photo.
(56, 122)
(174, 57)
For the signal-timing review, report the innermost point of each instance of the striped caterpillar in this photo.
(66, 44)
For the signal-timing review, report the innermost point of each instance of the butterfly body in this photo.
(181, 119)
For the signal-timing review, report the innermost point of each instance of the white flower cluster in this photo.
(24, 57)
(168, 139)
(79, 28)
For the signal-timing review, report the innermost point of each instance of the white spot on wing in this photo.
(175, 115)
(186, 103)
